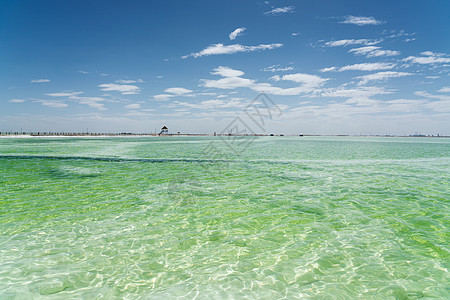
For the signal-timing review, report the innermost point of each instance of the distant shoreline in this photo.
(109, 135)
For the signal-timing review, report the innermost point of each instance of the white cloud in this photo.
(177, 91)
(133, 106)
(361, 21)
(308, 82)
(93, 102)
(442, 104)
(39, 80)
(280, 10)
(360, 92)
(295, 33)
(429, 57)
(237, 32)
(373, 51)
(361, 67)
(64, 94)
(52, 103)
(127, 81)
(277, 68)
(228, 83)
(445, 89)
(306, 79)
(96, 105)
(217, 49)
(213, 104)
(431, 96)
(163, 97)
(16, 100)
(349, 42)
(125, 89)
(227, 72)
(430, 53)
(381, 76)
(330, 69)
(231, 80)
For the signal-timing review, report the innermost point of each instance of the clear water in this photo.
(204, 218)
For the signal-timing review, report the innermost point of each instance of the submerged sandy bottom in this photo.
(206, 218)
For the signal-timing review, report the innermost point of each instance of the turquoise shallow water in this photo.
(205, 218)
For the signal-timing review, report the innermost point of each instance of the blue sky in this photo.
(332, 67)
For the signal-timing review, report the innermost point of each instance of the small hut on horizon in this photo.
(164, 130)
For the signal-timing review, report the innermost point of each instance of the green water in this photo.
(205, 218)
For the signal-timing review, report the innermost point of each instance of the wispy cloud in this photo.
(40, 80)
(64, 94)
(373, 51)
(127, 81)
(163, 97)
(133, 106)
(232, 79)
(354, 92)
(212, 104)
(217, 49)
(93, 102)
(445, 89)
(429, 57)
(226, 72)
(381, 76)
(349, 42)
(308, 80)
(361, 21)
(361, 67)
(177, 91)
(52, 103)
(280, 10)
(277, 68)
(16, 100)
(442, 104)
(237, 32)
(125, 89)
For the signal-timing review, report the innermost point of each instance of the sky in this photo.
(307, 67)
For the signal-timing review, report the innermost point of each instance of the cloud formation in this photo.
(127, 81)
(361, 67)
(217, 49)
(133, 106)
(177, 91)
(361, 21)
(373, 51)
(40, 80)
(64, 94)
(429, 57)
(280, 10)
(349, 42)
(232, 79)
(52, 103)
(125, 89)
(277, 68)
(381, 76)
(236, 33)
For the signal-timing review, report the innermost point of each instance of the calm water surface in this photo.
(205, 218)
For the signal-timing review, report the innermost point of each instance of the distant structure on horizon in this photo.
(164, 131)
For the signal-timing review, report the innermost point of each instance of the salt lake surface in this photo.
(232, 218)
